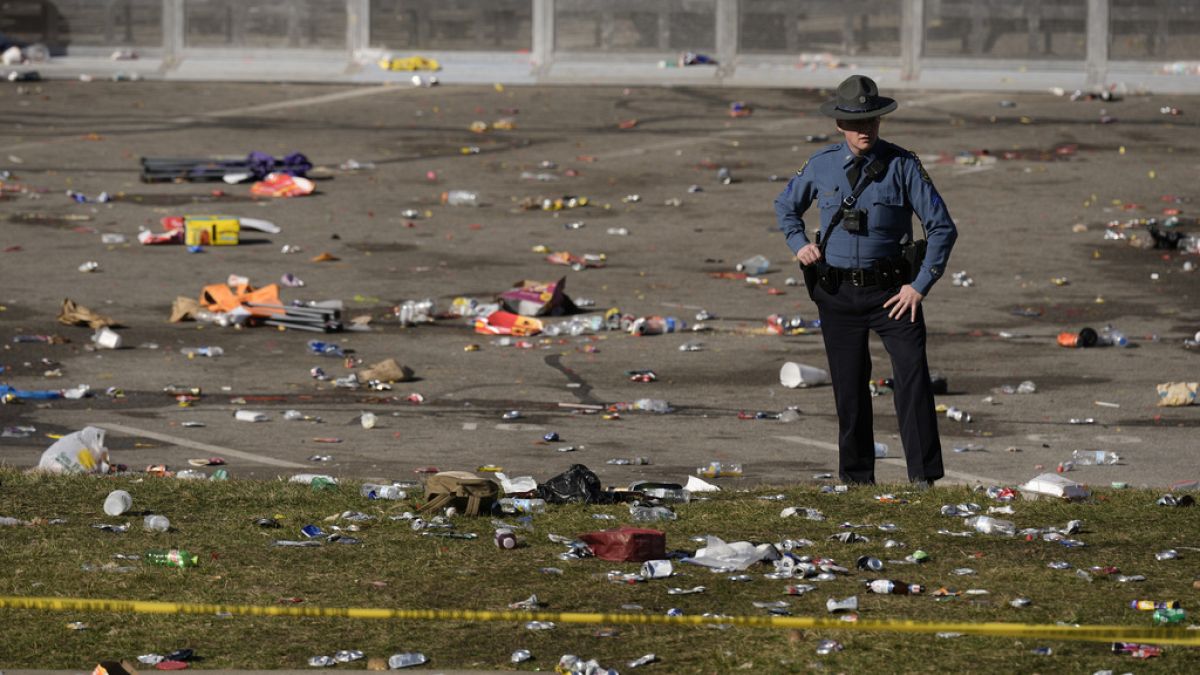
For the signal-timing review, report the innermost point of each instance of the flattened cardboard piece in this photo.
(538, 298)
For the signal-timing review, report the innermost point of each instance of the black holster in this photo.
(823, 274)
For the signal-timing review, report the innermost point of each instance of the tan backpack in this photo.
(470, 494)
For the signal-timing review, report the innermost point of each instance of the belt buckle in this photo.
(857, 278)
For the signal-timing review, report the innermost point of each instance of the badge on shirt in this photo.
(800, 171)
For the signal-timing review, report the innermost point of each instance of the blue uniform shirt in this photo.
(890, 202)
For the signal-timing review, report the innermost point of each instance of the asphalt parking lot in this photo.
(1034, 276)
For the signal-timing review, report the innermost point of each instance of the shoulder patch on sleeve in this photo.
(920, 168)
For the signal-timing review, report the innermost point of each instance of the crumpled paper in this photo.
(75, 314)
(386, 371)
(184, 308)
(1177, 393)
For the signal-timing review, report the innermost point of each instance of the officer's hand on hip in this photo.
(906, 301)
(808, 255)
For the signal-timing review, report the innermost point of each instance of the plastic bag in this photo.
(736, 555)
(516, 484)
(80, 452)
(576, 484)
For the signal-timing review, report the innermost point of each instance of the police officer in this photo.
(867, 191)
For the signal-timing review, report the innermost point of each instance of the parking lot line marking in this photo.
(957, 475)
(294, 103)
(206, 447)
(232, 112)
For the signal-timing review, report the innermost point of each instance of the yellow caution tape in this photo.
(1156, 635)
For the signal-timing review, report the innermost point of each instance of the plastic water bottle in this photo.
(518, 505)
(1113, 337)
(460, 198)
(325, 348)
(172, 558)
(1094, 457)
(650, 513)
(193, 352)
(376, 491)
(406, 660)
(156, 523)
(890, 587)
(655, 405)
(720, 470)
(754, 266)
(656, 325)
(990, 525)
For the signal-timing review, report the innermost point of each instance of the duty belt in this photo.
(860, 277)
(885, 273)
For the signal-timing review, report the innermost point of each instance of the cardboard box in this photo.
(210, 230)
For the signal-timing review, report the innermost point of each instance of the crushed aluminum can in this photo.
(657, 569)
(808, 513)
(1059, 565)
(406, 660)
(511, 415)
(771, 604)
(799, 589)
(539, 625)
(528, 604)
(521, 656)
(826, 647)
(1127, 578)
(1172, 500)
(867, 562)
(1169, 554)
(739, 577)
(686, 591)
(1020, 602)
(643, 661)
(848, 538)
(321, 661)
(150, 659)
(550, 437)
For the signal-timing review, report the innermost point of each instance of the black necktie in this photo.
(855, 171)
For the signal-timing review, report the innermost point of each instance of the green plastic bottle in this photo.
(172, 558)
(1168, 617)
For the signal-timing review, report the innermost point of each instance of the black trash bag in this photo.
(1165, 240)
(577, 484)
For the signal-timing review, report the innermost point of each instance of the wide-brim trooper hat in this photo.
(858, 99)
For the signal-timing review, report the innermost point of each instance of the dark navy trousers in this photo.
(847, 317)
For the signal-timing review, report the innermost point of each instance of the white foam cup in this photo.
(793, 375)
